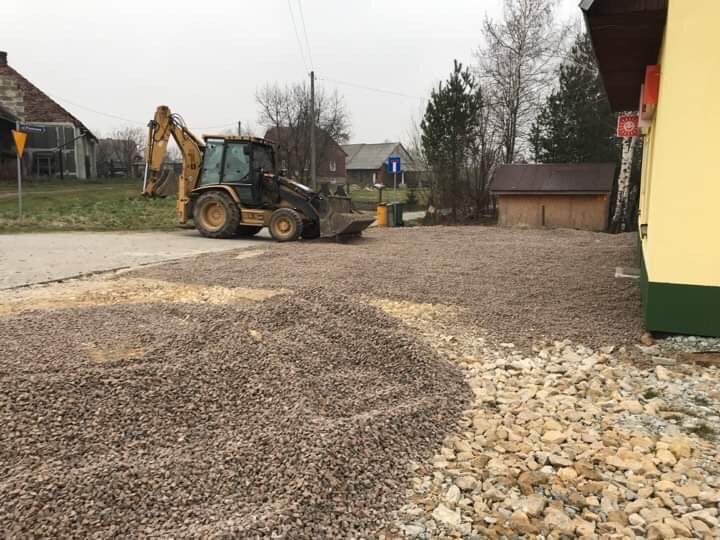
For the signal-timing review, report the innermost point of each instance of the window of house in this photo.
(332, 166)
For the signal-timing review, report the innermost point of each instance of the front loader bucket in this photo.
(341, 220)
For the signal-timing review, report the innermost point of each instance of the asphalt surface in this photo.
(40, 257)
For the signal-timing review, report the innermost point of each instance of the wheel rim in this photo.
(284, 226)
(213, 215)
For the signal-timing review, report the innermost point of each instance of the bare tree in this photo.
(516, 65)
(121, 150)
(129, 143)
(285, 113)
(487, 152)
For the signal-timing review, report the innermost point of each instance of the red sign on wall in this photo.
(628, 125)
(651, 88)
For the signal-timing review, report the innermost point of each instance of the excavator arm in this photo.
(156, 184)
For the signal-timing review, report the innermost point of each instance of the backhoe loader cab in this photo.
(229, 187)
(238, 162)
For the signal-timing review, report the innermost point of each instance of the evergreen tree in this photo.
(450, 130)
(576, 124)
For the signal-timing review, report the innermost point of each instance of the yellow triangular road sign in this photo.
(20, 140)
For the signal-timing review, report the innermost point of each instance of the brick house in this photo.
(66, 145)
(291, 151)
(7, 147)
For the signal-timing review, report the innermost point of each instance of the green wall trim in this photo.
(679, 309)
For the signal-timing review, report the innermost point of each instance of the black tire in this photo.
(216, 215)
(247, 230)
(311, 230)
(286, 225)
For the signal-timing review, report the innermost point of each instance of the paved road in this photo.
(38, 257)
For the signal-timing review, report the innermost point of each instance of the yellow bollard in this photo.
(382, 215)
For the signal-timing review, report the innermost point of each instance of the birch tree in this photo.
(619, 221)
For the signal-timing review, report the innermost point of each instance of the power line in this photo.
(307, 41)
(109, 115)
(232, 124)
(297, 35)
(143, 124)
(371, 89)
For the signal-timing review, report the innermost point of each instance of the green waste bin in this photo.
(392, 215)
(399, 208)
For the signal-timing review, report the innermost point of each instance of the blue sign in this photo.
(393, 164)
(27, 128)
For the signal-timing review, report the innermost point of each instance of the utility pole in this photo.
(313, 177)
(239, 128)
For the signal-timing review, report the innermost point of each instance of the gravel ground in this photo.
(519, 285)
(296, 416)
(303, 414)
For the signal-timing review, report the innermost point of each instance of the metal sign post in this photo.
(20, 139)
(394, 166)
(19, 189)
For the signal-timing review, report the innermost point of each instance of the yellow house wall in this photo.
(680, 193)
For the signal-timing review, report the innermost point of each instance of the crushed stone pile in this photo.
(294, 417)
(567, 441)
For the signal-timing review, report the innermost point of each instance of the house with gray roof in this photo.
(367, 165)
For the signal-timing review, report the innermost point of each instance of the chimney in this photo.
(3, 58)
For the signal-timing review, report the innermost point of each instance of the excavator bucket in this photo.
(167, 184)
(341, 220)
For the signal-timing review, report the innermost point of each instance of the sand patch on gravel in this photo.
(114, 353)
(411, 311)
(99, 292)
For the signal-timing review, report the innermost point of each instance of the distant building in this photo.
(118, 157)
(573, 196)
(367, 165)
(661, 59)
(291, 149)
(66, 145)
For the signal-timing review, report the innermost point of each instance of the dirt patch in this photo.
(519, 285)
(101, 292)
(296, 417)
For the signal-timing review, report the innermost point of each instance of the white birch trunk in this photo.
(619, 220)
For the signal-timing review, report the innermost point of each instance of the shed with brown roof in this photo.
(65, 146)
(574, 196)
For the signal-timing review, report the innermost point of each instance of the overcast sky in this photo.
(207, 59)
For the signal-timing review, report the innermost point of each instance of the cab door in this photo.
(237, 170)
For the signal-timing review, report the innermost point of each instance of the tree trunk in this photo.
(622, 203)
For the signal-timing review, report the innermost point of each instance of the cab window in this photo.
(212, 161)
(237, 163)
(263, 157)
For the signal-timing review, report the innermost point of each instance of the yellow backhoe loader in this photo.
(229, 187)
